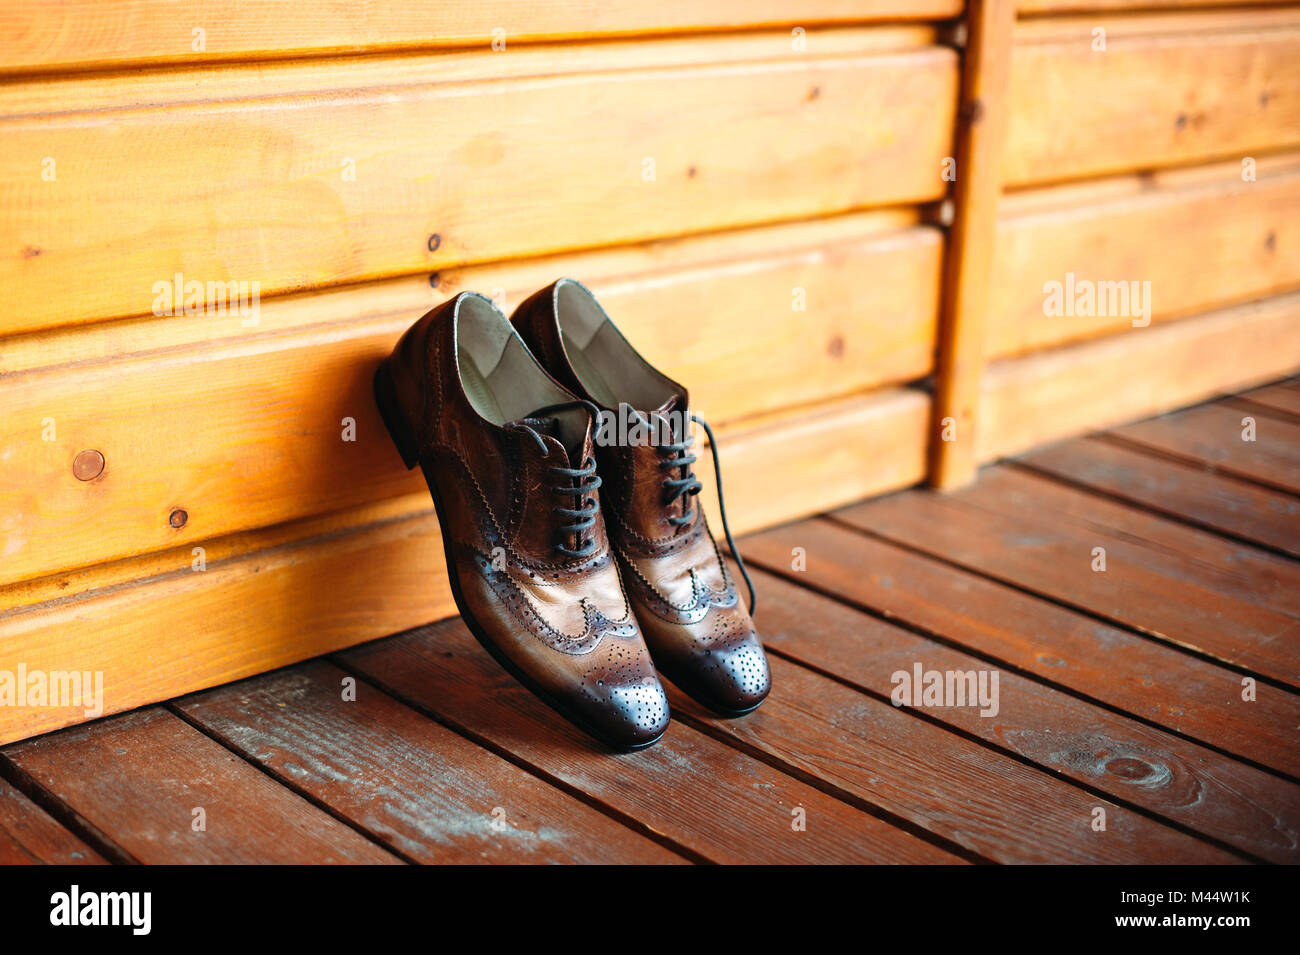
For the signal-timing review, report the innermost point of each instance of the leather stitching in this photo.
(703, 598)
(597, 624)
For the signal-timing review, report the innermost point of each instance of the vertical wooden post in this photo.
(980, 135)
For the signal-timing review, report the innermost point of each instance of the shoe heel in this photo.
(391, 412)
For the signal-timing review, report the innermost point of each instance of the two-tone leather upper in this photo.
(697, 628)
(508, 482)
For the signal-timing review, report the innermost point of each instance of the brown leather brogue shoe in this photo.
(700, 635)
(508, 457)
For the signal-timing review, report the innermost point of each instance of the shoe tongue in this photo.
(567, 427)
(674, 412)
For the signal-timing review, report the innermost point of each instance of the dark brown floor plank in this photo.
(139, 777)
(423, 790)
(1004, 810)
(1176, 489)
(1188, 587)
(1283, 397)
(1198, 788)
(940, 782)
(698, 792)
(1123, 670)
(1211, 435)
(1189, 555)
(28, 835)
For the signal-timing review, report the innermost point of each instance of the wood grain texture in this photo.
(820, 134)
(1166, 90)
(83, 34)
(1002, 809)
(289, 429)
(845, 450)
(1063, 392)
(1172, 582)
(980, 138)
(1080, 6)
(1214, 436)
(419, 788)
(721, 278)
(1203, 790)
(1037, 638)
(1284, 398)
(271, 404)
(28, 836)
(1222, 241)
(254, 607)
(323, 78)
(142, 775)
(268, 598)
(738, 809)
(1175, 489)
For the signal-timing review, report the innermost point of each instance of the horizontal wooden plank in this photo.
(1173, 582)
(29, 836)
(946, 784)
(1176, 489)
(421, 789)
(1284, 398)
(254, 610)
(83, 34)
(820, 134)
(273, 449)
(334, 76)
(1153, 19)
(168, 795)
(846, 449)
(1080, 6)
(1063, 392)
(1204, 791)
(1166, 90)
(1228, 439)
(739, 810)
(1223, 240)
(641, 276)
(257, 603)
(1155, 683)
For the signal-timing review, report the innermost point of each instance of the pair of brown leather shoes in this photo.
(579, 593)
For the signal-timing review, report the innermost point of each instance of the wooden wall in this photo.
(362, 169)
(1160, 147)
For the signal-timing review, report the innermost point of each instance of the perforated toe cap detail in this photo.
(622, 684)
(748, 672)
(644, 707)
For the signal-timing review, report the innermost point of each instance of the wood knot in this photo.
(88, 465)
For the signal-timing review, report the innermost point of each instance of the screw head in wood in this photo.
(178, 518)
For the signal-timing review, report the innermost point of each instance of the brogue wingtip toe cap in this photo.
(635, 715)
(734, 681)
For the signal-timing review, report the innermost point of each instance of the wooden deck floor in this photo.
(1124, 694)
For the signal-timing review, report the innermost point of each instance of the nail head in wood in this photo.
(88, 465)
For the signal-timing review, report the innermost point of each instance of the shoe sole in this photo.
(399, 431)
